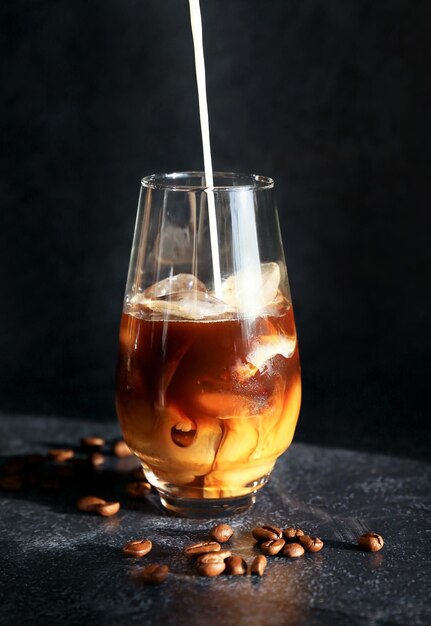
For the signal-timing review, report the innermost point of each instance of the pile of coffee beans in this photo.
(211, 556)
(290, 542)
(48, 472)
(56, 470)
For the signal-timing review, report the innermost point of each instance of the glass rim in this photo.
(166, 181)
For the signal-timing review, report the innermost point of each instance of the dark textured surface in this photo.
(61, 566)
(330, 97)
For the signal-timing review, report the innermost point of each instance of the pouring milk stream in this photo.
(196, 22)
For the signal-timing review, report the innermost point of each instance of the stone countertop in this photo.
(62, 566)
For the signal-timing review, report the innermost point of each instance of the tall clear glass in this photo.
(208, 385)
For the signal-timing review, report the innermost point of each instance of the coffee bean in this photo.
(210, 564)
(223, 554)
(11, 483)
(266, 532)
(121, 449)
(221, 533)
(137, 548)
(213, 557)
(201, 548)
(293, 550)
(220, 554)
(311, 544)
(96, 459)
(236, 566)
(138, 489)
(292, 534)
(92, 443)
(273, 546)
(371, 542)
(155, 574)
(88, 504)
(60, 455)
(107, 509)
(258, 565)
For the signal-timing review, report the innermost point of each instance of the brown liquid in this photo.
(208, 406)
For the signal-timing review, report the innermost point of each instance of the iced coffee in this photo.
(208, 388)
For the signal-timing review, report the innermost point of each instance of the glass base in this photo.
(206, 507)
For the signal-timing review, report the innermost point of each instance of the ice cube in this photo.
(174, 284)
(246, 291)
(266, 349)
(188, 305)
(278, 306)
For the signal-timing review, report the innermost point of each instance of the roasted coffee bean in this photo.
(121, 449)
(258, 565)
(266, 532)
(92, 443)
(223, 554)
(138, 489)
(289, 533)
(292, 534)
(154, 574)
(201, 548)
(138, 548)
(60, 455)
(89, 503)
(107, 509)
(221, 533)
(236, 566)
(210, 564)
(273, 546)
(11, 483)
(211, 557)
(96, 459)
(371, 542)
(293, 550)
(311, 544)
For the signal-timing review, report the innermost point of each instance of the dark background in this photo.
(326, 96)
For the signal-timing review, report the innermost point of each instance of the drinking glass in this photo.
(208, 384)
